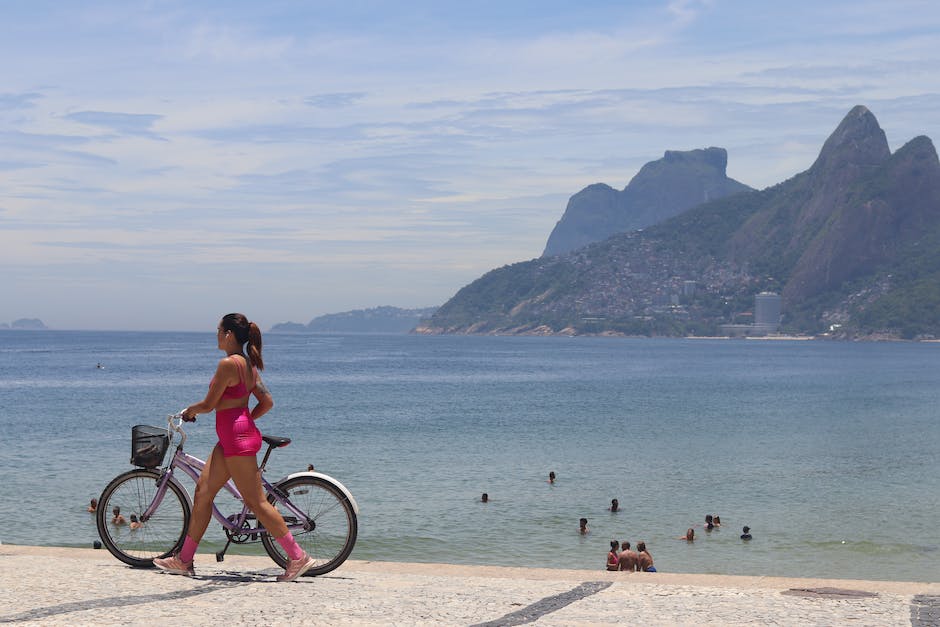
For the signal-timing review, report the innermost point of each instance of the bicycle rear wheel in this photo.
(160, 535)
(330, 528)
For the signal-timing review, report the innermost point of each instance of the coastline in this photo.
(53, 585)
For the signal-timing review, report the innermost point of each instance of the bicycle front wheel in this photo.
(158, 536)
(328, 532)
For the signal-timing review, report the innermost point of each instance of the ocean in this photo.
(827, 450)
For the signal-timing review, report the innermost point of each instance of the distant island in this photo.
(384, 319)
(28, 324)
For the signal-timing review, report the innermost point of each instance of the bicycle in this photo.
(319, 511)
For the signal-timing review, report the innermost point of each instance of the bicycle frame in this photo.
(193, 467)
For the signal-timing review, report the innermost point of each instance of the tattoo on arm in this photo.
(262, 388)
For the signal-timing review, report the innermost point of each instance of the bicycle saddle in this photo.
(275, 441)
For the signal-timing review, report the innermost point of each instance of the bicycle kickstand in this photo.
(220, 555)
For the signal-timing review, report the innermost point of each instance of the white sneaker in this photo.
(296, 568)
(175, 566)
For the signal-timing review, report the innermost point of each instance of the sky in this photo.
(163, 163)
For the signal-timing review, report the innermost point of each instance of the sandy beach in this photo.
(67, 586)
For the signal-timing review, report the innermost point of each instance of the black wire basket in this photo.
(148, 445)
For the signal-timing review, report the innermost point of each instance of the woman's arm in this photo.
(226, 374)
(264, 398)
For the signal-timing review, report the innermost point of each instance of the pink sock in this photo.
(291, 547)
(189, 550)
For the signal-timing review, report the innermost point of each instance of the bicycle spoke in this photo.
(137, 544)
(334, 525)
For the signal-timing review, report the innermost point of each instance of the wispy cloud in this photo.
(334, 101)
(121, 123)
(220, 42)
(12, 102)
(687, 11)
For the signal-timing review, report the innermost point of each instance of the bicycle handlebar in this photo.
(175, 423)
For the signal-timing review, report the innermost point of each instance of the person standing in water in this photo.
(235, 455)
(628, 558)
(645, 560)
(613, 556)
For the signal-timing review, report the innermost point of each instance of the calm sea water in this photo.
(828, 451)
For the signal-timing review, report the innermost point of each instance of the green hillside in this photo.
(852, 244)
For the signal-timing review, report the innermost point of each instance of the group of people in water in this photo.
(622, 557)
(713, 522)
(117, 518)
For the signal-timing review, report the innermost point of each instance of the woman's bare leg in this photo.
(213, 477)
(247, 477)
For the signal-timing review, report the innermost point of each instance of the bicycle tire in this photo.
(333, 536)
(159, 536)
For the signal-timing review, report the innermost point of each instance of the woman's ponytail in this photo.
(254, 346)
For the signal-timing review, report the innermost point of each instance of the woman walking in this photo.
(235, 455)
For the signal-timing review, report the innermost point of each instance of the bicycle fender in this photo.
(189, 498)
(328, 479)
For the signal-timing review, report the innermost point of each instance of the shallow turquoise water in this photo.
(828, 451)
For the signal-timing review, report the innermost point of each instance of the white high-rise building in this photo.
(767, 307)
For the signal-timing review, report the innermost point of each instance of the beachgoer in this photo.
(135, 524)
(747, 533)
(645, 559)
(235, 455)
(309, 467)
(93, 505)
(551, 476)
(613, 556)
(628, 559)
(117, 519)
(689, 535)
(583, 526)
(485, 498)
(614, 505)
(716, 520)
(709, 523)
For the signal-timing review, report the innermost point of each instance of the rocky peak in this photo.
(858, 142)
(660, 190)
(716, 158)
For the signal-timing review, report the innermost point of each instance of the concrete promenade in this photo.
(58, 586)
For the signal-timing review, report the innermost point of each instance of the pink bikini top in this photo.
(238, 390)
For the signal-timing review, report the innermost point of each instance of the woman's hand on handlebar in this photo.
(180, 417)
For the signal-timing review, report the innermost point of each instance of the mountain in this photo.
(660, 190)
(376, 320)
(852, 244)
